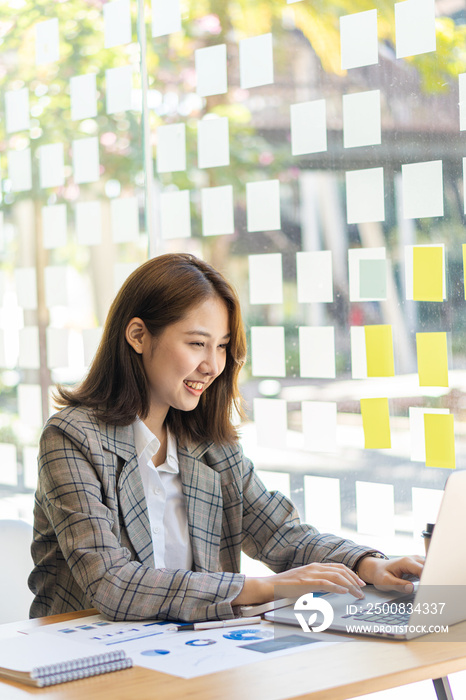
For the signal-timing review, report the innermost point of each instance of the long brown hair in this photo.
(161, 292)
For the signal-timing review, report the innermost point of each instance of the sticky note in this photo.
(17, 110)
(47, 42)
(217, 210)
(361, 119)
(422, 189)
(270, 419)
(414, 27)
(211, 70)
(89, 223)
(213, 144)
(432, 359)
(462, 101)
(119, 85)
(367, 274)
(379, 351)
(308, 127)
(166, 17)
(51, 165)
(256, 61)
(171, 148)
(175, 214)
(426, 506)
(417, 431)
(319, 425)
(86, 166)
(375, 509)
(19, 170)
(365, 199)
(440, 441)
(317, 351)
(124, 219)
(83, 96)
(26, 287)
(358, 352)
(428, 273)
(263, 205)
(422, 272)
(265, 279)
(9, 461)
(54, 225)
(30, 406)
(57, 347)
(117, 23)
(28, 357)
(322, 502)
(56, 285)
(314, 276)
(268, 351)
(376, 424)
(358, 39)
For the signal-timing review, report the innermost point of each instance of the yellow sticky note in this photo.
(440, 440)
(428, 273)
(464, 268)
(376, 424)
(379, 351)
(432, 359)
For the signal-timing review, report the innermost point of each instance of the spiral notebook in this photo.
(40, 660)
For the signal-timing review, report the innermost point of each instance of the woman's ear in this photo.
(136, 333)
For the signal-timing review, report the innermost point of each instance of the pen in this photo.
(218, 624)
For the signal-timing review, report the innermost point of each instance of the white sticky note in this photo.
(211, 70)
(9, 462)
(171, 148)
(30, 406)
(17, 110)
(317, 351)
(124, 219)
(365, 199)
(266, 279)
(166, 17)
(308, 127)
(417, 431)
(263, 205)
(375, 506)
(217, 210)
(275, 481)
(314, 276)
(355, 255)
(83, 96)
(358, 39)
(270, 419)
(26, 287)
(361, 119)
(268, 351)
(462, 100)
(409, 268)
(54, 225)
(47, 42)
(117, 23)
(256, 61)
(56, 285)
(414, 27)
(29, 348)
(119, 85)
(358, 352)
(422, 188)
(86, 167)
(320, 425)
(19, 170)
(51, 165)
(91, 340)
(426, 506)
(213, 142)
(57, 347)
(322, 503)
(88, 223)
(30, 454)
(175, 214)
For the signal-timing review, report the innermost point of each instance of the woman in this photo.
(144, 499)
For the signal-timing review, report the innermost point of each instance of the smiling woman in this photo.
(145, 499)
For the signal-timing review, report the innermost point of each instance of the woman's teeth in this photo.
(194, 385)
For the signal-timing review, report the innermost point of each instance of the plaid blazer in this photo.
(92, 545)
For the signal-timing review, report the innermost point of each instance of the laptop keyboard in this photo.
(393, 616)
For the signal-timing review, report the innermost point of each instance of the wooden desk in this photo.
(333, 673)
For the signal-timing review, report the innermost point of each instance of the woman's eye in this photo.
(201, 345)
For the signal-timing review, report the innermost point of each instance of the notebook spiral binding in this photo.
(80, 668)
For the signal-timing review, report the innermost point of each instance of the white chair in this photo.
(15, 596)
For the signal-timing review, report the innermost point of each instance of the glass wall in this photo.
(311, 150)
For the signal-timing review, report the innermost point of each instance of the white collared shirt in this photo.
(165, 500)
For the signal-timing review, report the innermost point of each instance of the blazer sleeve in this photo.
(120, 587)
(274, 534)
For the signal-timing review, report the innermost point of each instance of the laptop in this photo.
(438, 599)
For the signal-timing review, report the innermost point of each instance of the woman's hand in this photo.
(387, 574)
(331, 578)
